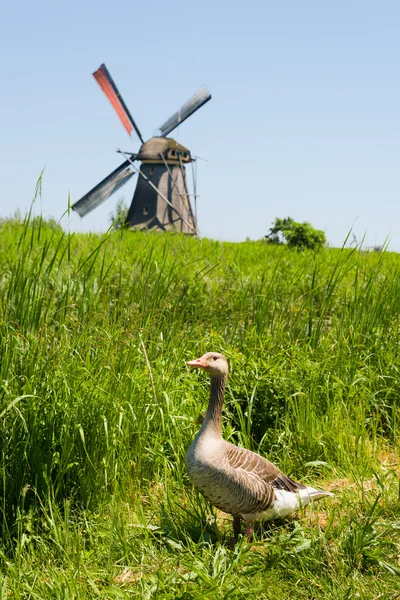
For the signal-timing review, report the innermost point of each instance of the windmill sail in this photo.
(104, 189)
(200, 97)
(106, 82)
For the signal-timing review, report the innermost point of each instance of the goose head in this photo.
(212, 362)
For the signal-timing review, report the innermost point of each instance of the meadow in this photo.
(97, 409)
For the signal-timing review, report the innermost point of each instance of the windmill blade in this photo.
(186, 196)
(201, 97)
(104, 189)
(194, 179)
(106, 82)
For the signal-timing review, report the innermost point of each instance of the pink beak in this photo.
(200, 363)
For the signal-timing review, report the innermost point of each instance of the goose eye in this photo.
(215, 357)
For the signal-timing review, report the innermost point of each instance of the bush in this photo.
(296, 235)
(118, 218)
(37, 222)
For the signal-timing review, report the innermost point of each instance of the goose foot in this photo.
(249, 531)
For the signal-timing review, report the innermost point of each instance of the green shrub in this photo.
(296, 235)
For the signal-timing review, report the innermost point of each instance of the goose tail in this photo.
(317, 494)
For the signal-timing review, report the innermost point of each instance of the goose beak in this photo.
(200, 363)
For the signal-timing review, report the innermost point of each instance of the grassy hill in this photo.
(97, 410)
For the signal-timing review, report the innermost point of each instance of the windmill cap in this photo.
(152, 149)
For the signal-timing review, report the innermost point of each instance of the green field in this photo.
(97, 409)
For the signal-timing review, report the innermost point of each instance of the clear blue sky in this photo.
(304, 119)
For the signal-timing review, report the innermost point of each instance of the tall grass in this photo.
(97, 410)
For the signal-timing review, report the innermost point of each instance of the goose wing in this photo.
(252, 463)
(257, 479)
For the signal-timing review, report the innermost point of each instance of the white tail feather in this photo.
(316, 494)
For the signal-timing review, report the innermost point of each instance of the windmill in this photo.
(161, 199)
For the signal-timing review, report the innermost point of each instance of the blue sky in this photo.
(304, 119)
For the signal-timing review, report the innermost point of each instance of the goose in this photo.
(236, 480)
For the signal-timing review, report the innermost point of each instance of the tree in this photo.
(295, 235)
(277, 232)
(118, 218)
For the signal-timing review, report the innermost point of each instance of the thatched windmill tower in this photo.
(161, 199)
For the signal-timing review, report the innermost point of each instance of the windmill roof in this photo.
(159, 145)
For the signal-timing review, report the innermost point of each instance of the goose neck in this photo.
(213, 418)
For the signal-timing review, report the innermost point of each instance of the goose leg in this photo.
(236, 528)
(249, 531)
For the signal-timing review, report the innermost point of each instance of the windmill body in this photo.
(162, 163)
(161, 199)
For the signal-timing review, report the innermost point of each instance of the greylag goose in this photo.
(236, 480)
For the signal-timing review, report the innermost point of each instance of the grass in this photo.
(97, 410)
